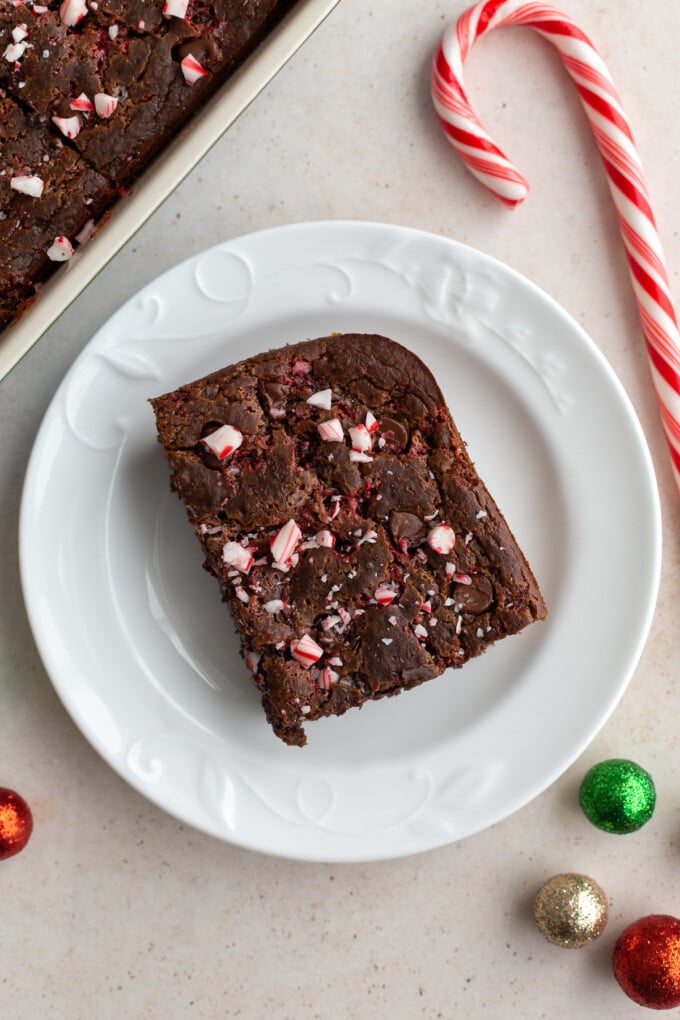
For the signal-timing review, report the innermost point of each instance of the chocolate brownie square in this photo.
(358, 550)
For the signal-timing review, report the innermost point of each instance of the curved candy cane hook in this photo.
(622, 164)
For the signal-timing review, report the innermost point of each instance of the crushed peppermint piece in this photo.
(344, 616)
(236, 555)
(420, 631)
(274, 606)
(322, 399)
(330, 621)
(15, 52)
(252, 660)
(285, 542)
(449, 602)
(392, 620)
(84, 234)
(386, 640)
(335, 661)
(450, 569)
(113, 32)
(175, 8)
(82, 104)
(442, 539)
(39, 9)
(192, 70)
(72, 11)
(462, 579)
(426, 607)
(385, 596)
(360, 458)
(60, 250)
(19, 32)
(104, 105)
(223, 441)
(27, 184)
(242, 594)
(331, 431)
(381, 442)
(325, 538)
(480, 514)
(469, 537)
(371, 422)
(479, 632)
(326, 677)
(459, 624)
(431, 517)
(370, 536)
(432, 622)
(360, 438)
(69, 126)
(306, 651)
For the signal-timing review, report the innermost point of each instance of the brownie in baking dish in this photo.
(72, 194)
(110, 82)
(358, 549)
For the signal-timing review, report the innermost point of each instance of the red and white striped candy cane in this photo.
(603, 108)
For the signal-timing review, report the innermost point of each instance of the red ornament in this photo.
(647, 961)
(16, 823)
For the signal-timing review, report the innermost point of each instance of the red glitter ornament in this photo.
(647, 961)
(16, 823)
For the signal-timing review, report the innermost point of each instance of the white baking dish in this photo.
(161, 178)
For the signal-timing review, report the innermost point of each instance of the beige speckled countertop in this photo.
(116, 909)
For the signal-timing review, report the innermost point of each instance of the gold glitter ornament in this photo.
(570, 910)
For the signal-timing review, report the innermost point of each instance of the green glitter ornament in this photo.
(617, 796)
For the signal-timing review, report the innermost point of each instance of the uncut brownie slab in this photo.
(358, 550)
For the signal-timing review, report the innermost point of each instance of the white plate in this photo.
(140, 648)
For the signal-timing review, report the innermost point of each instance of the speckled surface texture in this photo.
(116, 909)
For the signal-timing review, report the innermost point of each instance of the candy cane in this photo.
(605, 113)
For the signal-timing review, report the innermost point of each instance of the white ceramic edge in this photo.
(548, 778)
(161, 178)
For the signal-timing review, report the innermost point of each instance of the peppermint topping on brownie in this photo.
(82, 104)
(72, 11)
(104, 105)
(306, 651)
(61, 250)
(331, 431)
(327, 677)
(223, 441)
(69, 126)
(192, 70)
(175, 8)
(361, 439)
(274, 606)
(325, 538)
(442, 539)
(322, 399)
(236, 555)
(28, 185)
(15, 52)
(371, 422)
(285, 542)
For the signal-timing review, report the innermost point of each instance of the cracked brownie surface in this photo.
(358, 549)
